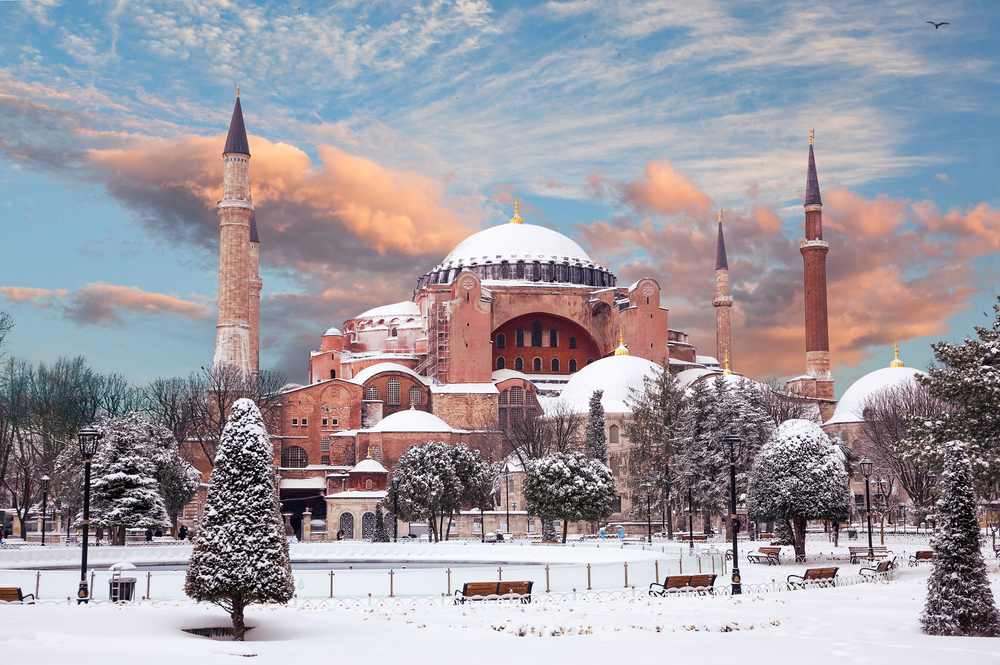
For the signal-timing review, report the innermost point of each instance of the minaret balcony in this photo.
(804, 244)
(236, 203)
(722, 301)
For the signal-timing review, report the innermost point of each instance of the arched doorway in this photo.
(347, 525)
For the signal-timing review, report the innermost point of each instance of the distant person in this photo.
(158, 534)
(182, 532)
(149, 535)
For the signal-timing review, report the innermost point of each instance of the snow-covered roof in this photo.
(368, 372)
(691, 376)
(504, 374)
(411, 420)
(359, 494)
(851, 404)
(333, 332)
(406, 308)
(369, 465)
(513, 242)
(615, 375)
(303, 483)
(707, 360)
(466, 388)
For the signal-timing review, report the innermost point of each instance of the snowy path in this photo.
(874, 623)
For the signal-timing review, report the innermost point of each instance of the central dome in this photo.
(520, 252)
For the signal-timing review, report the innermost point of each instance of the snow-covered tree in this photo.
(595, 441)
(799, 476)
(569, 487)
(241, 554)
(959, 598)
(783, 533)
(380, 535)
(125, 494)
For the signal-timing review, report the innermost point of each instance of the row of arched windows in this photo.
(536, 364)
(536, 337)
(394, 397)
(535, 271)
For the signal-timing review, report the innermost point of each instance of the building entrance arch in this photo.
(547, 344)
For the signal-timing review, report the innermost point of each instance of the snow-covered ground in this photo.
(874, 623)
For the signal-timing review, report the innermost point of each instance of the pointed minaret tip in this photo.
(812, 180)
(253, 229)
(236, 141)
(721, 263)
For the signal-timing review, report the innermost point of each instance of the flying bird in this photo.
(937, 25)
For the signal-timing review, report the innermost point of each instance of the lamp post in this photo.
(506, 477)
(866, 470)
(689, 479)
(732, 440)
(395, 509)
(45, 500)
(649, 515)
(88, 438)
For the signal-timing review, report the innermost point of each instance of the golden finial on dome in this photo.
(369, 455)
(726, 369)
(237, 89)
(897, 362)
(720, 217)
(516, 219)
(621, 350)
(811, 133)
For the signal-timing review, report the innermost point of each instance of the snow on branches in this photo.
(569, 487)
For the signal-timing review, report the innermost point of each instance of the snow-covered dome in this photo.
(411, 420)
(368, 372)
(511, 252)
(849, 409)
(368, 465)
(404, 310)
(333, 332)
(615, 375)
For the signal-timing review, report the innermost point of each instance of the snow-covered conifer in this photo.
(782, 533)
(380, 535)
(569, 487)
(125, 491)
(799, 476)
(959, 598)
(595, 440)
(241, 554)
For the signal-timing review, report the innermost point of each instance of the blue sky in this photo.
(383, 133)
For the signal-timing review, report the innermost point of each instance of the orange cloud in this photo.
(103, 304)
(665, 191)
(21, 294)
(849, 212)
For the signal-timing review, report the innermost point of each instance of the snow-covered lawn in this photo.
(874, 623)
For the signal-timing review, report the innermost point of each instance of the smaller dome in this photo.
(850, 407)
(615, 375)
(368, 465)
(333, 332)
(411, 420)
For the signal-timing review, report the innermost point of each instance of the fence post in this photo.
(91, 596)
(390, 582)
(680, 564)
(626, 574)
(149, 575)
(500, 573)
(656, 570)
(331, 584)
(588, 577)
(547, 589)
(448, 571)
(38, 581)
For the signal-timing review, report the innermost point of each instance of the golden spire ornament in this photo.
(897, 362)
(621, 350)
(516, 219)
(726, 369)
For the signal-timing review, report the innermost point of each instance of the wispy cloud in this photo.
(105, 304)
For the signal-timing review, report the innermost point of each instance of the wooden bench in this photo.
(823, 575)
(701, 584)
(13, 594)
(917, 557)
(883, 567)
(494, 591)
(878, 552)
(769, 555)
(687, 536)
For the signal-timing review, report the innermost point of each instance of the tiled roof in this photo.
(237, 140)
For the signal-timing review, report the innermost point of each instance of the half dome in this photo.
(851, 405)
(617, 376)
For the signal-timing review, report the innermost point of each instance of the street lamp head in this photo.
(932, 479)
(866, 467)
(88, 438)
(395, 484)
(689, 478)
(46, 482)
(731, 438)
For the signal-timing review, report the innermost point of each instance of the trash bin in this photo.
(122, 589)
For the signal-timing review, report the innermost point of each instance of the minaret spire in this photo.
(723, 302)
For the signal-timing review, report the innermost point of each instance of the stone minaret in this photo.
(256, 284)
(723, 302)
(232, 342)
(814, 250)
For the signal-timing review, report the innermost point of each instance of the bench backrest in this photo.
(686, 581)
(518, 588)
(770, 550)
(883, 567)
(480, 589)
(820, 573)
(10, 594)
(702, 580)
(864, 550)
(925, 554)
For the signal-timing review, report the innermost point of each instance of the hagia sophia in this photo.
(516, 320)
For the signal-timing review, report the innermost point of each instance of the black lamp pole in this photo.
(88, 438)
(45, 500)
(689, 478)
(395, 509)
(732, 440)
(866, 470)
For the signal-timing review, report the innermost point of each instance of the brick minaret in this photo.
(256, 284)
(232, 342)
(723, 302)
(814, 250)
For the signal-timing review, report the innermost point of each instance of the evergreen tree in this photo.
(799, 476)
(125, 492)
(241, 554)
(569, 487)
(782, 533)
(959, 598)
(380, 535)
(595, 440)
(549, 534)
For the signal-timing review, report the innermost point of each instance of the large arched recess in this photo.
(586, 348)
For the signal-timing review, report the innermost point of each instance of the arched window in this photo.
(572, 341)
(367, 526)
(613, 433)
(505, 270)
(501, 341)
(519, 337)
(516, 396)
(519, 364)
(536, 333)
(555, 364)
(414, 396)
(390, 523)
(347, 525)
(553, 338)
(501, 363)
(572, 365)
(333, 374)
(590, 360)
(394, 392)
(371, 393)
(520, 269)
(536, 271)
(294, 457)
(503, 397)
(536, 365)
(368, 485)
(392, 333)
